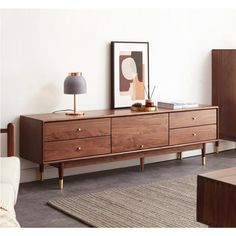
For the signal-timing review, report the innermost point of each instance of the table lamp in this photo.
(75, 84)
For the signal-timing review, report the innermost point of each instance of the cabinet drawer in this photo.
(192, 134)
(60, 150)
(192, 118)
(76, 129)
(139, 132)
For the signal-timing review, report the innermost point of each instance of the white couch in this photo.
(9, 185)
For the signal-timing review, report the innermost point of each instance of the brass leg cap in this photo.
(203, 161)
(61, 184)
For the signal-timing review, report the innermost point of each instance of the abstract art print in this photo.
(129, 73)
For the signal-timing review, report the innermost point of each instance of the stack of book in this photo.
(176, 105)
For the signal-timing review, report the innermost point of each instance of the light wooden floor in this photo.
(32, 211)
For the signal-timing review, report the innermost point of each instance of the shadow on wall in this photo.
(25, 164)
(47, 98)
(206, 75)
(108, 72)
(4, 138)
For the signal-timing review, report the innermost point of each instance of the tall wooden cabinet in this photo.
(224, 90)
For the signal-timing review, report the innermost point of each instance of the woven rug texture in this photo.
(169, 203)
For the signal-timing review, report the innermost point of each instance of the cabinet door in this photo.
(139, 132)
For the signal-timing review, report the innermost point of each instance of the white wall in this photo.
(39, 48)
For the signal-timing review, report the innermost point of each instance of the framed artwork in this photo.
(129, 73)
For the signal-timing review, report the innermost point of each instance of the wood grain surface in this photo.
(65, 130)
(76, 148)
(223, 91)
(192, 134)
(192, 118)
(216, 198)
(139, 132)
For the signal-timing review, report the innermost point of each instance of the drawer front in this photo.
(192, 118)
(139, 132)
(76, 129)
(192, 134)
(60, 150)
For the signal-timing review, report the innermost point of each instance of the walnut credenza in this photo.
(112, 135)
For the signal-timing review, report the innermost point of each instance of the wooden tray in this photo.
(143, 109)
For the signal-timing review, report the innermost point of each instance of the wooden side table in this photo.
(216, 198)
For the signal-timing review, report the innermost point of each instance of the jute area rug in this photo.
(162, 204)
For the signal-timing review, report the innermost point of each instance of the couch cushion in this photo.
(10, 173)
(7, 220)
(7, 200)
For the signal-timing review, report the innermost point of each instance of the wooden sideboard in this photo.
(111, 135)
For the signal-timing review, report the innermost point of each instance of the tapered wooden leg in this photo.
(204, 154)
(217, 147)
(61, 173)
(179, 156)
(41, 171)
(142, 163)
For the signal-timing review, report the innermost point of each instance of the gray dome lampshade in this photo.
(75, 84)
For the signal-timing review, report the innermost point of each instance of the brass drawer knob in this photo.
(141, 146)
(194, 134)
(194, 118)
(78, 148)
(78, 130)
